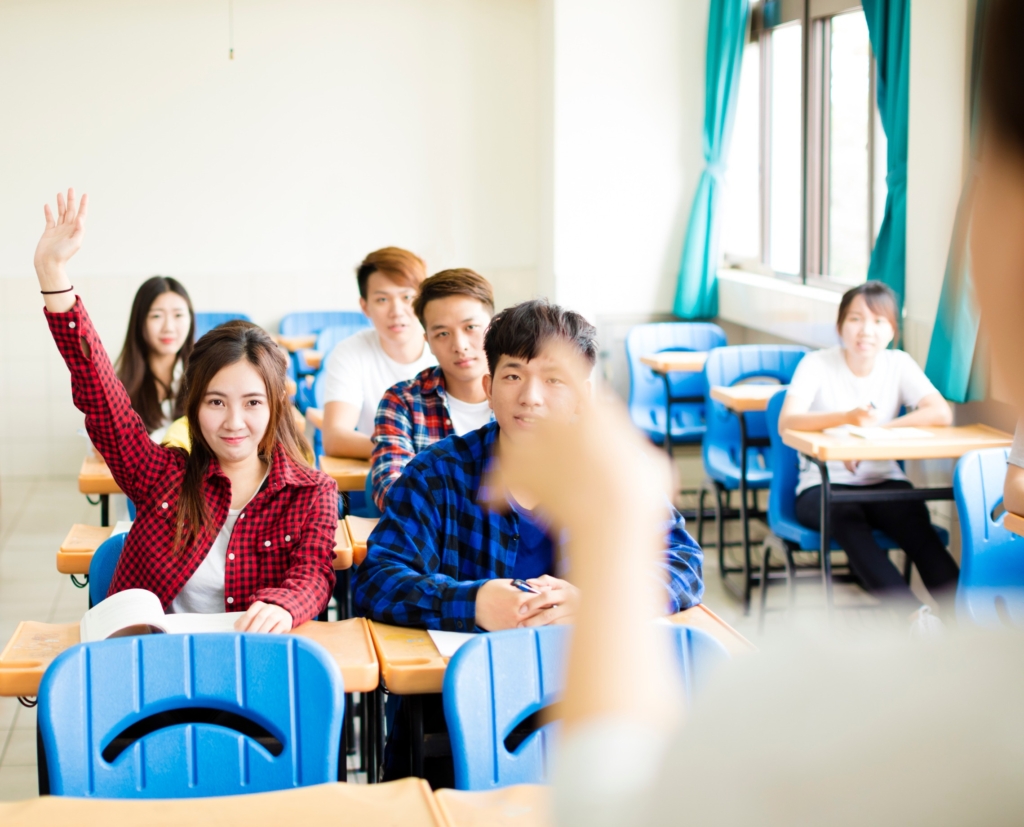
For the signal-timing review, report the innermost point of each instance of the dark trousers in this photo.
(439, 771)
(907, 523)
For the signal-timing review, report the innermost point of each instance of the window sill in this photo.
(798, 312)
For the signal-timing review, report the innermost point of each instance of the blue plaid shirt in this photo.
(436, 544)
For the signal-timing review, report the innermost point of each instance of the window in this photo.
(842, 176)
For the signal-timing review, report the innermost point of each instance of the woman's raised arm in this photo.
(61, 239)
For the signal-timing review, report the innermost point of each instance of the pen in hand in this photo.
(523, 586)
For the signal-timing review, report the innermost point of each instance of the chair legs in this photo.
(784, 550)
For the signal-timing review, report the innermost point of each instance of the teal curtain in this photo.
(957, 361)
(889, 30)
(697, 288)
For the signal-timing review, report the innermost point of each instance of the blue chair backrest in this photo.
(646, 388)
(205, 322)
(731, 365)
(785, 463)
(992, 557)
(101, 567)
(301, 324)
(184, 716)
(496, 681)
(330, 336)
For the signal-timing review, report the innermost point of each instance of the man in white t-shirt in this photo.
(454, 307)
(362, 367)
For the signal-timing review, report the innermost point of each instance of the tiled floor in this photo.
(35, 515)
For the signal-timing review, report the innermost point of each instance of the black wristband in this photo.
(55, 292)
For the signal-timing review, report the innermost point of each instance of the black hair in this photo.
(521, 331)
(1002, 70)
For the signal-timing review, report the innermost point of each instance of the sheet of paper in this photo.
(448, 643)
(188, 623)
(888, 434)
(130, 608)
(121, 527)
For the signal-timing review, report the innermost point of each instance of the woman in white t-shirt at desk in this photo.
(362, 367)
(863, 383)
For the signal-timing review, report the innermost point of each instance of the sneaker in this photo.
(925, 625)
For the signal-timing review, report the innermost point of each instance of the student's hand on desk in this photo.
(264, 617)
(558, 602)
(500, 605)
(862, 417)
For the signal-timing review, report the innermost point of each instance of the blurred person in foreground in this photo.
(820, 729)
(835, 730)
(997, 222)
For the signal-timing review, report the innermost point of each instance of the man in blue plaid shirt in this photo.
(439, 557)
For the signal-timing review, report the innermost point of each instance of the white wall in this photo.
(939, 78)
(339, 127)
(625, 148)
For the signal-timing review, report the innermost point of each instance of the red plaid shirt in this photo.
(282, 546)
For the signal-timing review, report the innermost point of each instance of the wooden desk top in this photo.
(75, 553)
(946, 443)
(359, 529)
(404, 803)
(676, 361)
(296, 343)
(745, 398)
(350, 474)
(314, 358)
(524, 805)
(1014, 523)
(95, 477)
(411, 665)
(34, 646)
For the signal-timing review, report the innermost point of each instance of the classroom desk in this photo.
(313, 358)
(665, 364)
(350, 474)
(945, 443)
(95, 478)
(359, 529)
(740, 400)
(411, 665)
(407, 802)
(293, 344)
(76, 551)
(1014, 523)
(33, 646)
(523, 805)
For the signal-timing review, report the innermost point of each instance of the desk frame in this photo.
(828, 497)
(671, 400)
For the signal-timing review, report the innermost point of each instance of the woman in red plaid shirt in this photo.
(241, 523)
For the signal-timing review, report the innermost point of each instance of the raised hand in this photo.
(63, 236)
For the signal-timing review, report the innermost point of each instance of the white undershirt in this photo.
(468, 416)
(204, 591)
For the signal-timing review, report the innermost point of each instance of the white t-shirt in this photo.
(468, 416)
(204, 591)
(167, 406)
(826, 379)
(358, 371)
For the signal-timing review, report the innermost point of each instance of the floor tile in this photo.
(18, 783)
(21, 749)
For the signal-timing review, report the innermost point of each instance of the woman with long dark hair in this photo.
(161, 331)
(240, 523)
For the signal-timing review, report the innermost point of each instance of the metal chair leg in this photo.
(766, 558)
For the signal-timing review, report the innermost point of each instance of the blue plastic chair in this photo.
(312, 322)
(185, 716)
(991, 585)
(496, 683)
(722, 449)
(101, 567)
(647, 388)
(205, 322)
(787, 534)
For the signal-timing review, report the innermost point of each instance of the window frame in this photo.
(815, 17)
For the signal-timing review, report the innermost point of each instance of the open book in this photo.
(138, 612)
(887, 434)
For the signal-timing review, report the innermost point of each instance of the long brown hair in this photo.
(225, 345)
(133, 364)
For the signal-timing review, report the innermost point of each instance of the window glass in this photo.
(849, 212)
(741, 205)
(785, 149)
